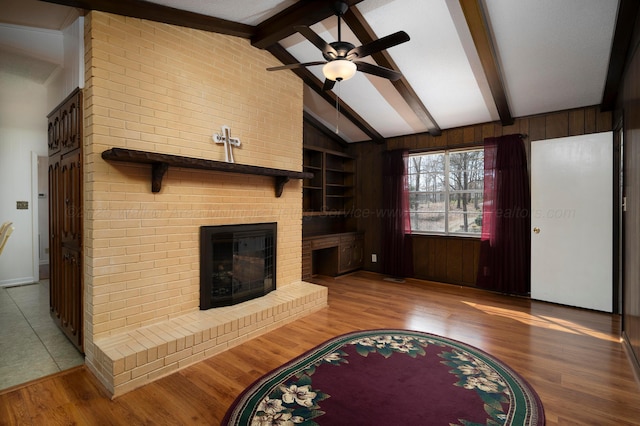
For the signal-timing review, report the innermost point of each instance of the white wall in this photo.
(71, 75)
(23, 131)
(24, 105)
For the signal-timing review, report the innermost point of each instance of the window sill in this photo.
(443, 235)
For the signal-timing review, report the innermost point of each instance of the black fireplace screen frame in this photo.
(232, 256)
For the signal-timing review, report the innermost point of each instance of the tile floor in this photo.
(31, 345)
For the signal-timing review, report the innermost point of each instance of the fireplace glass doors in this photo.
(237, 263)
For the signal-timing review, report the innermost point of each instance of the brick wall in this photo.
(167, 89)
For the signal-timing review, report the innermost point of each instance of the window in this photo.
(445, 192)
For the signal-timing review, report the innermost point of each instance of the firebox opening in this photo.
(237, 263)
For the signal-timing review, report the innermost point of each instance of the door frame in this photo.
(618, 218)
(35, 225)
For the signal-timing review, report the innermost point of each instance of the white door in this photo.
(572, 221)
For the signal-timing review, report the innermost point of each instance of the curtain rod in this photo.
(463, 146)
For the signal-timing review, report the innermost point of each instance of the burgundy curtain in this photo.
(505, 247)
(397, 253)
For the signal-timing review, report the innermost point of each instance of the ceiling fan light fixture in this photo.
(339, 70)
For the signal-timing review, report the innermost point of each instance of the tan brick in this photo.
(153, 87)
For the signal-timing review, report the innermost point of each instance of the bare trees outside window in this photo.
(445, 192)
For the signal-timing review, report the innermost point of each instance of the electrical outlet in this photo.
(374, 258)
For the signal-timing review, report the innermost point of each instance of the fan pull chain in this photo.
(338, 109)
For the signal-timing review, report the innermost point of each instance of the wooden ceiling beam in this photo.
(159, 13)
(316, 85)
(479, 28)
(280, 26)
(354, 19)
(627, 15)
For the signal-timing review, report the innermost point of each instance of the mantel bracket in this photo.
(157, 173)
(280, 182)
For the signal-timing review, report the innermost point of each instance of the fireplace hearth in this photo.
(237, 263)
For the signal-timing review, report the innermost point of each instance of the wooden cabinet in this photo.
(331, 190)
(65, 217)
(351, 252)
(65, 125)
(332, 254)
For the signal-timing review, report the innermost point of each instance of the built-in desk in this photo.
(332, 254)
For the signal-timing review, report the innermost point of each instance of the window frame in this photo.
(446, 191)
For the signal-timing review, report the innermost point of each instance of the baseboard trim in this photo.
(18, 281)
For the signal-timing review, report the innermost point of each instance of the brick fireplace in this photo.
(167, 89)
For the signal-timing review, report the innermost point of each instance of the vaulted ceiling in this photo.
(467, 61)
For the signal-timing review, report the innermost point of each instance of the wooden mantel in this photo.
(160, 164)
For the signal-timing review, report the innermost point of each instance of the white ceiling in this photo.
(31, 38)
(552, 55)
(249, 12)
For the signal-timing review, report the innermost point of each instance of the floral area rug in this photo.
(389, 377)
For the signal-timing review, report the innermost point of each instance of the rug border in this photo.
(531, 398)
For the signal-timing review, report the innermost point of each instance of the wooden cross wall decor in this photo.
(225, 138)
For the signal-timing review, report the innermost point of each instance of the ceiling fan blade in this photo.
(328, 84)
(316, 40)
(378, 45)
(378, 70)
(292, 66)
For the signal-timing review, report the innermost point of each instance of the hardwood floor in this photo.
(573, 358)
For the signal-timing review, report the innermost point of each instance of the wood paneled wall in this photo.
(314, 137)
(572, 122)
(368, 202)
(629, 109)
(453, 259)
(446, 259)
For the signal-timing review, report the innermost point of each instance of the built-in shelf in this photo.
(160, 164)
(331, 191)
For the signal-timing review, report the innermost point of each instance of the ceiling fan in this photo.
(340, 56)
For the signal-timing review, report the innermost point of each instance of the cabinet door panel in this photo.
(357, 254)
(53, 134)
(71, 124)
(69, 311)
(55, 244)
(345, 257)
(71, 183)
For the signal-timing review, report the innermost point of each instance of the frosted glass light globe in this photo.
(339, 70)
